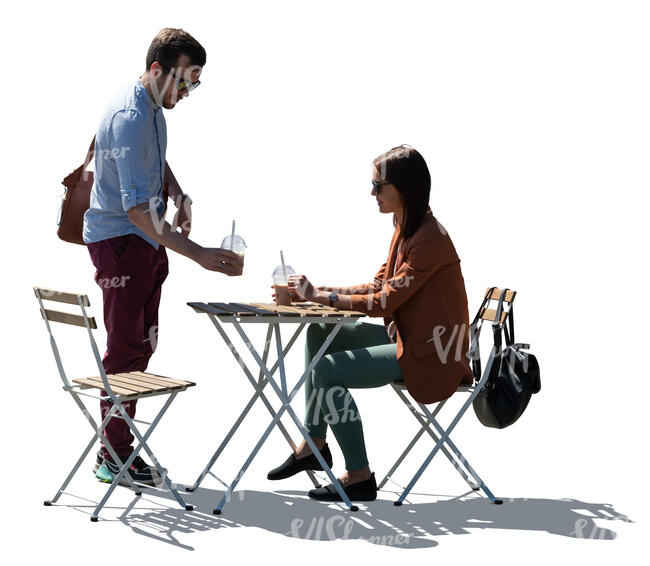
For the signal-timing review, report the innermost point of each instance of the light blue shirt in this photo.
(130, 148)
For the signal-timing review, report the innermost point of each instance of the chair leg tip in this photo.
(397, 503)
(47, 503)
(498, 501)
(475, 488)
(94, 519)
(354, 508)
(190, 489)
(216, 512)
(189, 508)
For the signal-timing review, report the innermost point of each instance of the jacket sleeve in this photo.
(364, 288)
(422, 259)
(379, 278)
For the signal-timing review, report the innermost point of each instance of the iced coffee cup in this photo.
(236, 244)
(281, 284)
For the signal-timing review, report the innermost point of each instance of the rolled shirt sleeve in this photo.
(126, 133)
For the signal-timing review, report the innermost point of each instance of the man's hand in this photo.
(218, 259)
(215, 259)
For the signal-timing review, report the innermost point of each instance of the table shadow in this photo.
(412, 525)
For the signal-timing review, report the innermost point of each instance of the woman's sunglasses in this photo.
(377, 185)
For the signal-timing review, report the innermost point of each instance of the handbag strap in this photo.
(510, 334)
(497, 326)
(509, 328)
(90, 154)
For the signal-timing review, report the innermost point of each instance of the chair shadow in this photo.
(412, 525)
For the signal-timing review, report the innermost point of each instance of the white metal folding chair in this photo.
(428, 419)
(119, 388)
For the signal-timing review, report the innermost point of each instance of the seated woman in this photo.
(420, 293)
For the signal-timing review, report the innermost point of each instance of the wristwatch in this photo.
(333, 297)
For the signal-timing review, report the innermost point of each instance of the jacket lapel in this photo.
(398, 258)
(391, 268)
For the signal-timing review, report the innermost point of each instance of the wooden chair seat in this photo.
(135, 384)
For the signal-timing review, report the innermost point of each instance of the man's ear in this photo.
(155, 70)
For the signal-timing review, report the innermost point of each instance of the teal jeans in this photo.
(359, 357)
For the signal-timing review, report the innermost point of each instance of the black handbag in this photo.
(514, 376)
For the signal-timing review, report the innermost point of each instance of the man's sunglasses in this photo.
(182, 83)
(377, 185)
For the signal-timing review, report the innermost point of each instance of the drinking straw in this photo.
(284, 269)
(232, 236)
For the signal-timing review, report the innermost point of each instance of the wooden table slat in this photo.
(277, 309)
(232, 309)
(254, 309)
(261, 310)
(197, 306)
(211, 309)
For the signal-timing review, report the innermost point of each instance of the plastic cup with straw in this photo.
(281, 281)
(234, 243)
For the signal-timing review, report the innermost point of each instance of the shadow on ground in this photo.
(413, 525)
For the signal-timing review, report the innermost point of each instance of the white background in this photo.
(533, 118)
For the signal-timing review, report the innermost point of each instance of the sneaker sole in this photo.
(96, 467)
(103, 474)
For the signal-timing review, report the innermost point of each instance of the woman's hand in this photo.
(300, 288)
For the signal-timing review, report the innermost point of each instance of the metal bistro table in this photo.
(273, 315)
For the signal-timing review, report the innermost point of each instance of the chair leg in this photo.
(84, 454)
(461, 458)
(444, 436)
(424, 424)
(399, 460)
(142, 443)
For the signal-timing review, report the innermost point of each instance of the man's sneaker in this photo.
(139, 471)
(99, 460)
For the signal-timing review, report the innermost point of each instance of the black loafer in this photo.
(365, 490)
(292, 466)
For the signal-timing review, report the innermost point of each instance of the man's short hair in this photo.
(170, 44)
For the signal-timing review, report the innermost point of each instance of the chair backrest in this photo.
(83, 320)
(63, 297)
(499, 316)
(493, 294)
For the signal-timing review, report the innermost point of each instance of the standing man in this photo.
(125, 228)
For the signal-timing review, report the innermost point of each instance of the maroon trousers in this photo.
(130, 272)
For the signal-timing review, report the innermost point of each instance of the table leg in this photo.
(258, 386)
(286, 400)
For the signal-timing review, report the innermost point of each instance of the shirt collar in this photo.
(144, 95)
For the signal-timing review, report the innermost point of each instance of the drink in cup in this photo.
(236, 244)
(281, 284)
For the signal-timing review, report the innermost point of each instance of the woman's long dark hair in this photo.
(405, 168)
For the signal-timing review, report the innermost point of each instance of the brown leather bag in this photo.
(76, 200)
